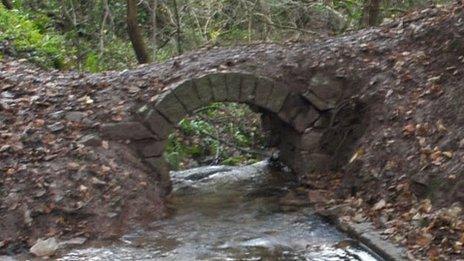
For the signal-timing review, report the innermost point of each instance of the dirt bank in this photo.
(60, 178)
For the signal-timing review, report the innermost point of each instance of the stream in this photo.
(232, 213)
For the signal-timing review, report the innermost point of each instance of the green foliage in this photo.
(29, 39)
(207, 137)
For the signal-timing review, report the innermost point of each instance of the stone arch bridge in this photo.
(316, 99)
(306, 127)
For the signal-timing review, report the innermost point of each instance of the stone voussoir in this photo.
(158, 124)
(218, 86)
(264, 88)
(233, 83)
(204, 90)
(187, 95)
(170, 107)
(126, 130)
(248, 88)
(277, 98)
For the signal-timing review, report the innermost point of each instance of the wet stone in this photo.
(126, 130)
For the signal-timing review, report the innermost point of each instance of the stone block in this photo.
(305, 118)
(291, 107)
(263, 91)
(91, 140)
(327, 88)
(248, 88)
(150, 148)
(158, 124)
(170, 107)
(126, 130)
(161, 169)
(187, 95)
(277, 98)
(310, 140)
(233, 81)
(317, 102)
(204, 90)
(218, 86)
(307, 162)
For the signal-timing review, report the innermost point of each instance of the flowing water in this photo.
(232, 213)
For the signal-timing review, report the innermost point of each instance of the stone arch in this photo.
(183, 98)
(298, 120)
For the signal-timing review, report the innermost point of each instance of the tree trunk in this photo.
(8, 4)
(371, 13)
(178, 28)
(135, 35)
(154, 27)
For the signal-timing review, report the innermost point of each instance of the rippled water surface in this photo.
(232, 213)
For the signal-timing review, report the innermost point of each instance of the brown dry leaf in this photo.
(409, 129)
(424, 240)
(379, 205)
(425, 206)
(433, 253)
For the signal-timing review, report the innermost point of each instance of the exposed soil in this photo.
(406, 174)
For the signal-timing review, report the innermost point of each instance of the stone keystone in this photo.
(248, 88)
(126, 131)
(218, 86)
(233, 81)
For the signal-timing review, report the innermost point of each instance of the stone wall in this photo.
(299, 122)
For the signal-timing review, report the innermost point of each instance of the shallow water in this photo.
(232, 213)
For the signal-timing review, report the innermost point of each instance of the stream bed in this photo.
(232, 213)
